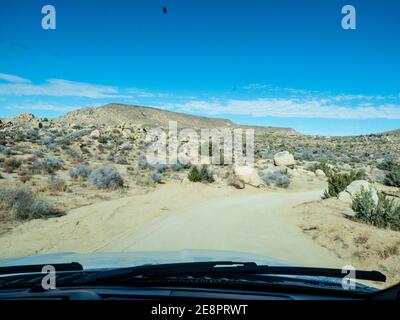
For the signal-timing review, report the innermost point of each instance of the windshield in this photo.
(155, 132)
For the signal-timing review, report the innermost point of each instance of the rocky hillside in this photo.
(120, 114)
(117, 114)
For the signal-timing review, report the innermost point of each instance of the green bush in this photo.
(200, 174)
(24, 204)
(384, 214)
(393, 178)
(324, 166)
(388, 165)
(337, 182)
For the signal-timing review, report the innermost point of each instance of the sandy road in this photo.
(257, 223)
(179, 217)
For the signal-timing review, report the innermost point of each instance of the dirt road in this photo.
(176, 217)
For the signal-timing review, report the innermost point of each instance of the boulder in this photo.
(127, 133)
(344, 196)
(238, 184)
(320, 173)
(356, 186)
(248, 175)
(95, 134)
(284, 158)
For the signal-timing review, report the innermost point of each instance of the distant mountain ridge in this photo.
(116, 114)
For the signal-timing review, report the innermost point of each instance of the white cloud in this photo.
(42, 106)
(146, 94)
(285, 108)
(279, 102)
(13, 78)
(61, 88)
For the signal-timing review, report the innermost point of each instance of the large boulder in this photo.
(356, 186)
(248, 175)
(344, 196)
(284, 158)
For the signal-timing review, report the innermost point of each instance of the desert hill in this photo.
(117, 114)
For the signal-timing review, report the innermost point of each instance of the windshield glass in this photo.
(136, 132)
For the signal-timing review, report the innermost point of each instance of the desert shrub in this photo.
(24, 204)
(143, 164)
(103, 139)
(78, 134)
(74, 153)
(393, 178)
(200, 174)
(32, 134)
(63, 141)
(12, 163)
(388, 165)
(47, 140)
(384, 214)
(156, 177)
(25, 178)
(337, 182)
(38, 153)
(82, 171)
(322, 165)
(119, 142)
(48, 165)
(7, 151)
(56, 184)
(159, 167)
(120, 159)
(180, 166)
(127, 147)
(277, 178)
(106, 177)
(52, 146)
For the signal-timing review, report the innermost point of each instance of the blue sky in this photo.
(282, 63)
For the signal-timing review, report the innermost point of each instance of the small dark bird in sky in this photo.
(165, 10)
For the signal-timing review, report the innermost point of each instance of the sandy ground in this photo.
(361, 245)
(178, 216)
(294, 226)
